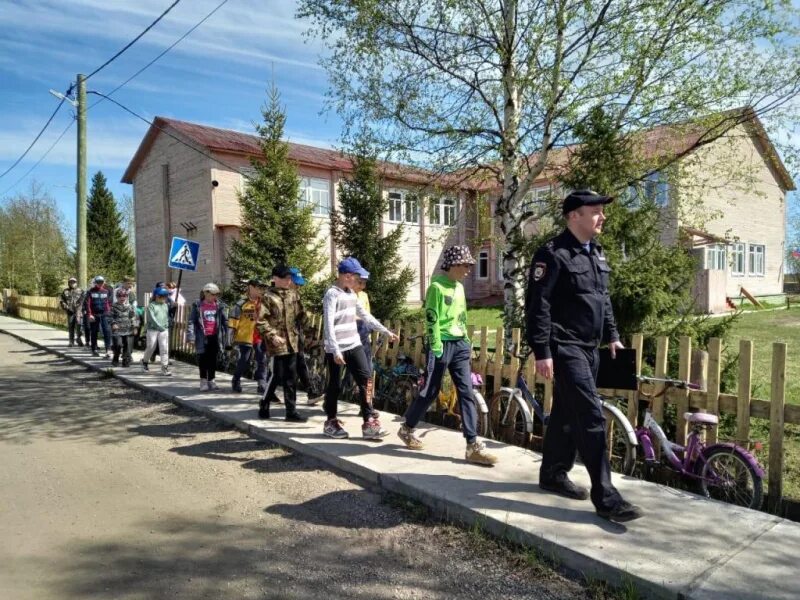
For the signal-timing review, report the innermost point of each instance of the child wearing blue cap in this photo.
(340, 308)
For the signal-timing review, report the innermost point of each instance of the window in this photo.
(755, 259)
(737, 259)
(499, 264)
(444, 211)
(483, 264)
(654, 188)
(715, 257)
(316, 193)
(536, 199)
(403, 207)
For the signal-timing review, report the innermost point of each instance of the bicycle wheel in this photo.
(621, 451)
(507, 419)
(484, 430)
(402, 393)
(316, 374)
(726, 475)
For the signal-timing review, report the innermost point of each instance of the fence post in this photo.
(662, 351)
(498, 359)
(744, 391)
(714, 365)
(685, 373)
(776, 428)
(637, 343)
(483, 353)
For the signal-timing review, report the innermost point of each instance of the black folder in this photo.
(617, 373)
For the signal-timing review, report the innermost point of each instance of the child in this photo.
(157, 326)
(450, 349)
(98, 308)
(123, 324)
(280, 317)
(340, 307)
(208, 330)
(245, 335)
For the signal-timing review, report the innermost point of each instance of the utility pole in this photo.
(80, 187)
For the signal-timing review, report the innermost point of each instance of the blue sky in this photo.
(217, 75)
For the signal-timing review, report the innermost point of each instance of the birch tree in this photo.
(491, 88)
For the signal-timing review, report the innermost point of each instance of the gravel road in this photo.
(109, 493)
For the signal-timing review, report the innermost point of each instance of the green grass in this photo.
(488, 316)
(764, 329)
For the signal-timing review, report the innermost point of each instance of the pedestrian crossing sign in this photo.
(183, 254)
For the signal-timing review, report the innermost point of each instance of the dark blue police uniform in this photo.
(568, 315)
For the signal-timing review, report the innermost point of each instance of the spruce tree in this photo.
(276, 227)
(355, 228)
(108, 249)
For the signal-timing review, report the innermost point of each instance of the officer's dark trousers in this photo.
(74, 326)
(577, 424)
(101, 323)
(456, 357)
(282, 369)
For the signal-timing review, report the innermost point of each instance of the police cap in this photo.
(580, 198)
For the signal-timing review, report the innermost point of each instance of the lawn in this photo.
(488, 316)
(764, 328)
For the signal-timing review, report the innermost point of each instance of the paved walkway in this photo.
(686, 547)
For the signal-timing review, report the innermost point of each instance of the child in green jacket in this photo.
(157, 323)
(450, 349)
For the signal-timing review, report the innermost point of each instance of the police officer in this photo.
(568, 315)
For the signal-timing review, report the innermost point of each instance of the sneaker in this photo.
(409, 437)
(166, 372)
(71, 345)
(212, 385)
(260, 391)
(274, 399)
(372, 430)
(477, 453)
(80, 342)
(622, 512)
(314, 397)
(236, 386)
(107, 355)
(296, 417)
(95, 353)
(115, 363)
(565, 487)
(333, 428)
(203, 385)
(145, 366)
(126, 363)
(263, 412)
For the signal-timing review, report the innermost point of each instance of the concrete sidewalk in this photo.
(685, 547)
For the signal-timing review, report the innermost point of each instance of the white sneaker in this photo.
(212, 385)
(203, 385)
(166, 372)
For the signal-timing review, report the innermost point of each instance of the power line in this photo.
(133, 41)
(176, 138)
(148, 65)
(36, 139)
(54, 144)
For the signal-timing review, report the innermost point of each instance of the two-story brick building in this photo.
(187, 174)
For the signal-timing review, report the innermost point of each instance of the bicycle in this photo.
(512, 412)
(722, 471)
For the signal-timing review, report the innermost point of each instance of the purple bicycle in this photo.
(722, 471)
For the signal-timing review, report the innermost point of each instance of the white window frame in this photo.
(316, 192)
(535, 196)
(444, 211)
(403, 207)
(737, 254)
(483, 259)
(756, 253)
(716, 257)
(499, 257)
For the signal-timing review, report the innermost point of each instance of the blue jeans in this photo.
(101, 322)
(245, 350)
(456, 358)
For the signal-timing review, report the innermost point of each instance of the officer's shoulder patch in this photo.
(539, 270)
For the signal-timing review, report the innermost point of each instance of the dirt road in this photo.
(108, 493)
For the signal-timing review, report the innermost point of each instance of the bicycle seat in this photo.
(699, 417)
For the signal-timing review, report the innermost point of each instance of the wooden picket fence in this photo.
(499, 367)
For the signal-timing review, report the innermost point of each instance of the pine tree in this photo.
(276, 227)
(356, 228)
(108, 248)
